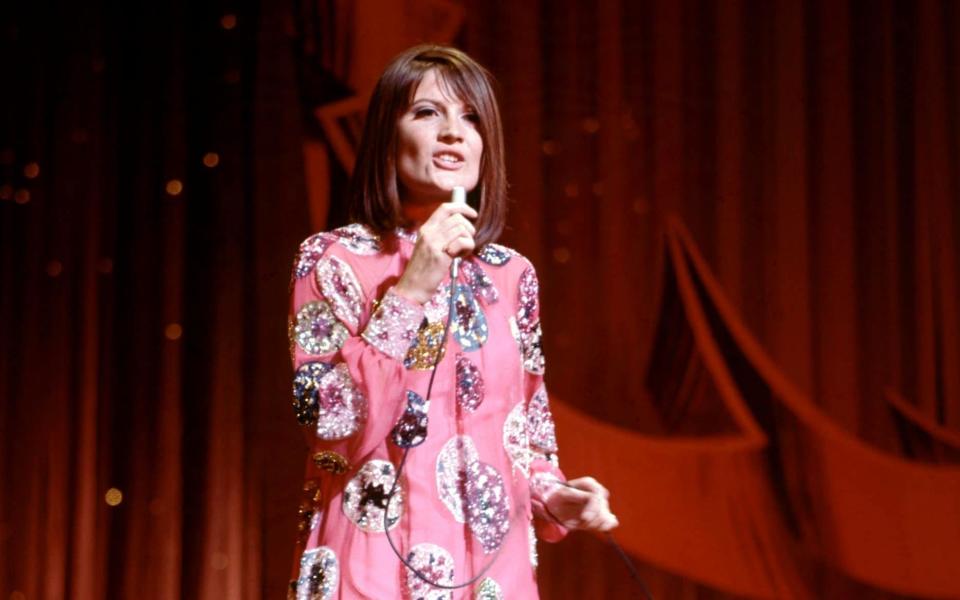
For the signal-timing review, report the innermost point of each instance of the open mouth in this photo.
(448, 160)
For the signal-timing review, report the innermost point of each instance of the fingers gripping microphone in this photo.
(458, 196)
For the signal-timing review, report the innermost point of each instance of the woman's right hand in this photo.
(447, 233)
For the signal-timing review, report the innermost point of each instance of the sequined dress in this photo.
(473, 486)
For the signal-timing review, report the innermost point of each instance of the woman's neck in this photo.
(416, 213)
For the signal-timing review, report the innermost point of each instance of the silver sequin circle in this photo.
(365, 497)
(488, 590)
(317, 330)
(342, 407)
(319, 574)
(434, 563)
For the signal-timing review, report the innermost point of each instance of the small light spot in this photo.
(113, 497)
(590, 125)
(79, 136)
(561, 255)
(232, 76)
(6, 156)
(97, 65)
(173, 331)
(571, 190)
(211, 159)
(22, 196)
(598, 188)
(219, 561)
(550, 147)
(105, 265)
(6, 192)
(228, 21)
(54, 268)
(174, 187)
(31, 170)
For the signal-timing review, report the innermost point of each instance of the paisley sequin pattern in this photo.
(309, 512)
(434, 563)
(515, 440)
(341, 406)
(532, 349)
(540, 427)
(452, 462)
(319, 574)
(488, 590)
(422, 354)
(495, 254)
(317, 330)
(480, 282)
(470, 327)
(394, 325)
(469, 384)
(488, 508)
(358, 239)
(309, 253)
(529, 299)
(306, 385)
(330, 461)
(473, 491)
(528, 322)
(411, 429)
(340, 287)
(365, 497)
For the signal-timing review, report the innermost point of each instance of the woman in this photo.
(480, 476)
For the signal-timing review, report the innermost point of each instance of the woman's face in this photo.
(438, 145)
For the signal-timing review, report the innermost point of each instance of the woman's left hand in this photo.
(582, 504)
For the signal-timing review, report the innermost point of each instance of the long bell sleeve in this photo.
(347, 348)
(545, 473)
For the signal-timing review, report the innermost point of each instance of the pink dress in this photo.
(472, 490)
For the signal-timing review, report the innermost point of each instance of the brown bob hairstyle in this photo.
(374, 194)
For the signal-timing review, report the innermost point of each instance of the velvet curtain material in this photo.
(744, 216)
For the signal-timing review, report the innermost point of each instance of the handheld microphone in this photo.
(458, 196)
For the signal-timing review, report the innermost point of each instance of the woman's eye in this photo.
(472, 117)
(424, 112)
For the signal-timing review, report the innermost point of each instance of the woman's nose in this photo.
(451, 129)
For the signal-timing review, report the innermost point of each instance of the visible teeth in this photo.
(447, 158)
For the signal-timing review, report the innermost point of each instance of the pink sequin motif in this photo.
(474, 492)
(342, 407)
(434, 563)
(469, 384)
(515, 440)
(540, 426)
(528, 322)
(341, 288)
(393, 326)
(309, 253)
(358, 239)
(480, 282)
